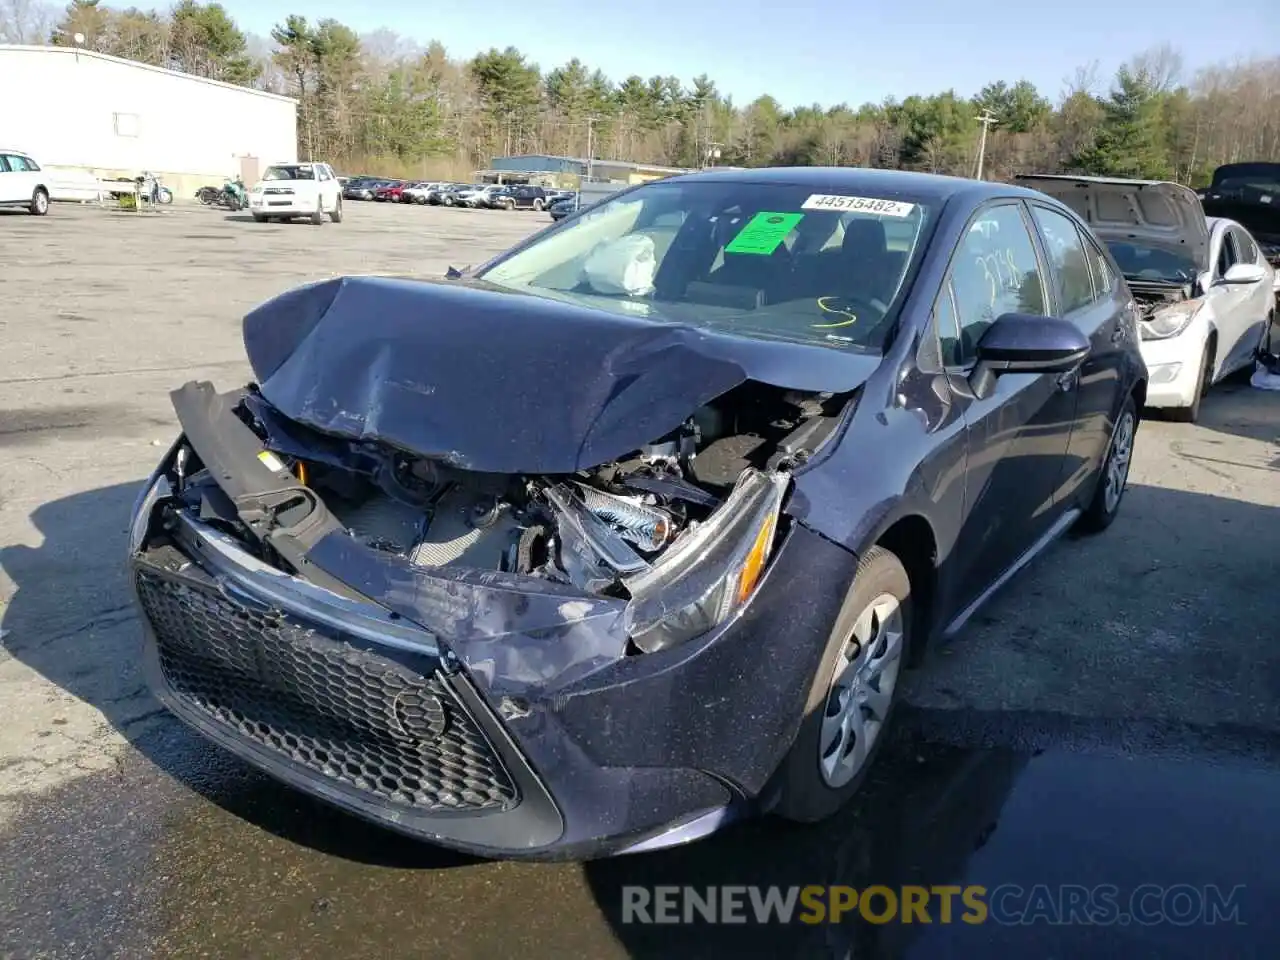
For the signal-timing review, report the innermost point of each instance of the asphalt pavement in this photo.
(1111, 720)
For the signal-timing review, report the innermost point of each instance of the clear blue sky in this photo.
(829, 52)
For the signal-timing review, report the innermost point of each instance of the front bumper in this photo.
(342, 698)
(1173, 366)
(274, 205)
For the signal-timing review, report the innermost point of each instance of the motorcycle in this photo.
(234, 195)
(152, 190)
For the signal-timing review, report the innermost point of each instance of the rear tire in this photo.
(537, 205)
(39, 205)
(820, 774)
(259, 218)
(1108, 495)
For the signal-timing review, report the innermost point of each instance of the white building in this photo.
(78, 112)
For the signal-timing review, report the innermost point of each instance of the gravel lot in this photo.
(1158, 636)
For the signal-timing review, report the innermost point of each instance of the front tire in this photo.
(854, 694)
(1105, 505)
(39, 205)
(1190, 414)
(336, 215)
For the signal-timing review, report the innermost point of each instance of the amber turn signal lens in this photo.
(753, 566)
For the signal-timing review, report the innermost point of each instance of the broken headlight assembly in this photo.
(1169, 321)
(710, 573)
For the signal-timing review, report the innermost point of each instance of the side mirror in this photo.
(453, 273)
(1244, 273)
(1027, 343)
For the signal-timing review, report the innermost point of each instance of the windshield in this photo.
(772, 261)
(289, 172)
(1141, 262)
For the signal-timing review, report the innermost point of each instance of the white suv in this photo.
(289, 190)
(23, 183)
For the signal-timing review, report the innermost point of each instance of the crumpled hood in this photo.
(503, 382)
(1157, 212)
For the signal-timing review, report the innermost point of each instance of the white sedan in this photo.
(1203, 289)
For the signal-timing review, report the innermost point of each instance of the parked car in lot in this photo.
(389, 191)
(562, 208)
(418, 192)
(441, 195)
(291, 190)
(1202, 287)
(522, 198)
(23, 183)
(360, 188)
(700, 472)
(475, 196)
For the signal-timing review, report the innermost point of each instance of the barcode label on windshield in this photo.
(883, 208)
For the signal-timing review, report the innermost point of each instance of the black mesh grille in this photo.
(342, 712)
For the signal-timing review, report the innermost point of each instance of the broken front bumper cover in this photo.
(600, 751)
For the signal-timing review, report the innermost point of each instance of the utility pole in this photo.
(591, 122)
(987, 119)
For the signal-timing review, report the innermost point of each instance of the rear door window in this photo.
(1067, 260)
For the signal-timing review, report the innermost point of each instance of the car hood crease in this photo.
(504, 382)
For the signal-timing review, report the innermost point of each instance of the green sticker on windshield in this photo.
(763, 233)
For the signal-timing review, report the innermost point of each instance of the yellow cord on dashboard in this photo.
(838, 312)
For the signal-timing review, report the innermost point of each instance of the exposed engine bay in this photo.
(599, 530)
(1152, 297)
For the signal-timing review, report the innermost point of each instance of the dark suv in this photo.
(524, 198)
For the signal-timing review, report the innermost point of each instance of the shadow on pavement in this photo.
(1240, 410)
(72, 619)
(921, 815)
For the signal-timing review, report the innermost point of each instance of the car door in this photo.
(1018, 436)
(325, 184)
(1083, 290)
(1230, 302)
(1255, 302)
(14, 186)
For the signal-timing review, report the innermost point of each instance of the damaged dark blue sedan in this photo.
(633, 529)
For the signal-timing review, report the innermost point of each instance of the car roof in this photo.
(13, 151)
(925, 186)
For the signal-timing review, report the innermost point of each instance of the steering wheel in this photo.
(846, 311)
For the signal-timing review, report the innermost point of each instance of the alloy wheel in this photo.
(1118, 463)
(861, 691)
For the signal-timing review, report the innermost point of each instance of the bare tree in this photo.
(1083, 80)
(1161, 65)
(26, 21)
